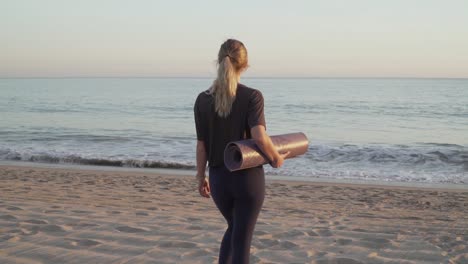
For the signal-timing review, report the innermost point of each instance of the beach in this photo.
(73, 215)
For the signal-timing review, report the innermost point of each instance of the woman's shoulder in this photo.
(248, 90)
(204, 95)
(204, 99)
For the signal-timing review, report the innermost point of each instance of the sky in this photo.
(152, 38)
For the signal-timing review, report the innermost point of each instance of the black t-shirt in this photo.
(216, 132)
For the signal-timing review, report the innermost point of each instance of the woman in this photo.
(230, 111)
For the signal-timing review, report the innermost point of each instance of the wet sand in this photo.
(69, 215)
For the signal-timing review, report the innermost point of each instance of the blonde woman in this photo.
(230, 111)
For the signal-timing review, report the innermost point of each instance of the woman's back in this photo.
(216, 132)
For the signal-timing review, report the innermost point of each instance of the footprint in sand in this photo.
(375, 243)
(359, 230)
(84, 242)
(29, 231)
(276, 243)
(267, 243)
(291, 233)
(337, 261)
(462, 258)
(54, 211)
(324, 232)
(8, 218)
(10, 238)
(54, 229)
(14, 208)
(141, 213)
(312, 233)
(177, 244)
(143, 201)
(129, 229)
(196, 253)
(343, 241)
(86, 225)
(288, 245)
(194, 227)
(36, 222)
(80, 212)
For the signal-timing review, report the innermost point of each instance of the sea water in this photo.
(410, 130)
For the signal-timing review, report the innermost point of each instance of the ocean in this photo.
(393, 130)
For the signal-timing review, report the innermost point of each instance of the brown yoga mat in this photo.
(243, 154)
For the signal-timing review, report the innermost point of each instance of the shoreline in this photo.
(187, 173)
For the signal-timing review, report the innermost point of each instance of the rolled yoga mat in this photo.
(243, 154)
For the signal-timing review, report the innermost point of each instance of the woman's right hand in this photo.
(203, 187)
(279, 160)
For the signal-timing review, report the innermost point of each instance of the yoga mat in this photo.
(243, 154)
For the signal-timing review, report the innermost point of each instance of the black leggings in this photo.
(239, 197)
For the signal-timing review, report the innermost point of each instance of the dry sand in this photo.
(57, 215)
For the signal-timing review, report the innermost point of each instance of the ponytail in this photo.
(224, 87)
(232, 60)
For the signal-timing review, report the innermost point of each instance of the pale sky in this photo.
(151, 38)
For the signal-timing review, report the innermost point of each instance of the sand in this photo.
(67, 215)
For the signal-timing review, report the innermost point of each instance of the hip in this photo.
(222, 170)
(248, 183)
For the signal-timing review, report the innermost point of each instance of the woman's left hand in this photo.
(204, 187)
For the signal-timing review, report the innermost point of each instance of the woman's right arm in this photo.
(264, 143)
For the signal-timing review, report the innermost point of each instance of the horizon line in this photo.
(246, 77)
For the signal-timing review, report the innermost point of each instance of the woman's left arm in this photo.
(203, 185)
(201, 159)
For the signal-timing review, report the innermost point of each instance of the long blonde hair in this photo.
(232, 60)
